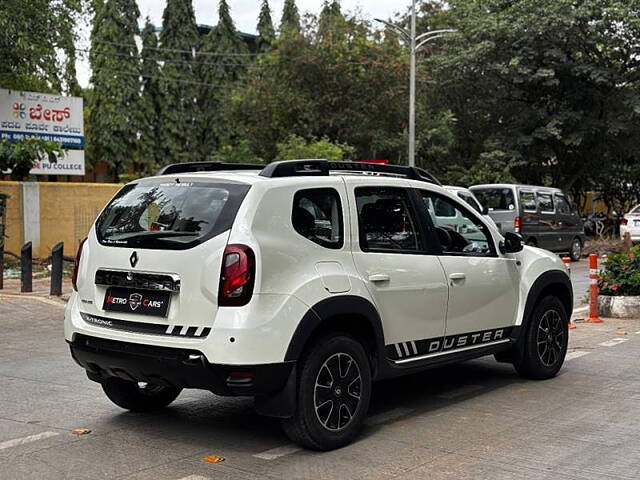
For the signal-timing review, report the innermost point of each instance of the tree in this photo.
(115, 79)
(224, 54)
(298, 148)
(290, 21)
(266, 32)
(150, 155)
(20, 157)
(36, 44)
(179, 41)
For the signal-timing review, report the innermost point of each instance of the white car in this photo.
(631, 223)
(300, 285)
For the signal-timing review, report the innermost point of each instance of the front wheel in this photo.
(334, 388)
(139, 396)
(576, 250)
(545, 342)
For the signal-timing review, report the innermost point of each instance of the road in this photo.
(477, 420)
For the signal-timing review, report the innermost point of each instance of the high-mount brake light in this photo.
(76, 266)
(517, 223)
(236, 276)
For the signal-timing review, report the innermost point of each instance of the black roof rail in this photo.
(312, 167)
(206, 167)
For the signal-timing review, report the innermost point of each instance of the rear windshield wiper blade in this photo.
(151, 234)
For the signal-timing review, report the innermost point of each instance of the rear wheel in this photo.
(576, 250)
(139, 396)
(545, 342)
(334, 388)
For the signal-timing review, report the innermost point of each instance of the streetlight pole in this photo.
(416, 43)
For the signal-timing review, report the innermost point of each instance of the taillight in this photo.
(236, 276)
(76, 266)
(623, 221)
(517, 223)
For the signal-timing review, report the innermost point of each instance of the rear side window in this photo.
(169, 215)
(528, 201)
(495, 198)
(317, 216)
(385, 220)
(545, 202)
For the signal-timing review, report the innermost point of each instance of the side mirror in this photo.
(513, 243)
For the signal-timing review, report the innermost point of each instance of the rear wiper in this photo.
(152, 234)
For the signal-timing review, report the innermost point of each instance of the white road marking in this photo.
(278, 452)
(460, 391)
(386, 416)
(578, 354)
(613, 342)
(638, 332)
(31, 438)
(194, 477)
(56, 303)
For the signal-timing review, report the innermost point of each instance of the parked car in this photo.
(630, 222)
(300, 284)
(543, 216)
(468, 196)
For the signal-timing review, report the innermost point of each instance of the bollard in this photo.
(26, 258)
(567, 263)
(593, 298)
(56, 269)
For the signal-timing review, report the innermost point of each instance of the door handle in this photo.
(379, 277)
(457, 277)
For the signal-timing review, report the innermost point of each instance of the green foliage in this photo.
(149, 145)
(19, 157)
(240, 153)
(115, 71)
(179, 85)
(296, 147)
(621, 274)
(266, 32)
(218, 74)
(36, 44)
(290, 21)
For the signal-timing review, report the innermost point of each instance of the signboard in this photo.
(72, 163)
(41, 115)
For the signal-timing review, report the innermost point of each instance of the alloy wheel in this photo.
(550, 338)
(337, 391)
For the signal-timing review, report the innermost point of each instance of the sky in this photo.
(245, 15)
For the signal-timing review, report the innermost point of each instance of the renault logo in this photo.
(133, 259)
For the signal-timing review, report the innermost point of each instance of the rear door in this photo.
(403, 276)
(500, 202)
(568, 220)
(551, 231)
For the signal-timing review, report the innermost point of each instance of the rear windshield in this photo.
(169, 215)
(495, 198)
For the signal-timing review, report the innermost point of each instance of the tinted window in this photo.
(545, 202)
(462, 234)
(562, 205)
(385, 220)
(169, 215)
(495, 198)
(528, 201)
(471, 201)
(317, 216)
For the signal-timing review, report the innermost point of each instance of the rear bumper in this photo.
(178, 367)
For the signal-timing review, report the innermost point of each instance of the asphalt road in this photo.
(477, 420)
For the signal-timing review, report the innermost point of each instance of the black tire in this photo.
(549, 324)
(315, 424)
(131, 396)
(576, 250)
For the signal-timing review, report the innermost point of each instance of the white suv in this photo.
(300, 285)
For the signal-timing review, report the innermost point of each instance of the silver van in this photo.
(544, 216)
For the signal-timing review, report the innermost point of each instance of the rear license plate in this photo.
(142, 302)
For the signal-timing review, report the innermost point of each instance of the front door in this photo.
(483, 284)
(405, 280)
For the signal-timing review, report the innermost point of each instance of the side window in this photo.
(317, 216)
(528, 201)
(461, 235)
(563, 205)
(545, 203)
(385, 220)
